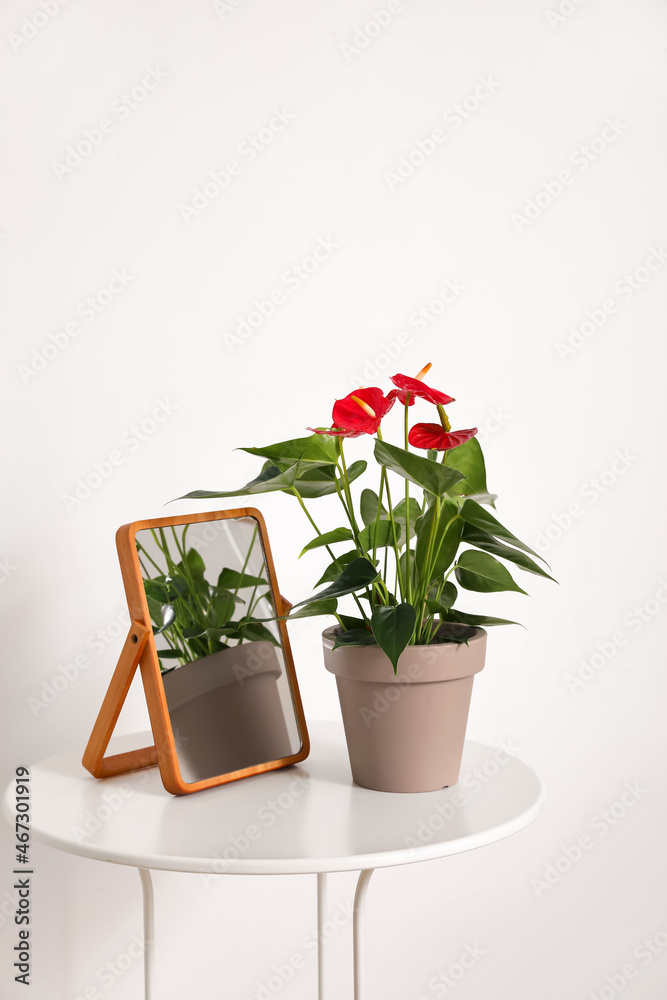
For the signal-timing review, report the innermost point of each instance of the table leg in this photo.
(149, 932)
(322, 902)
(357, 931)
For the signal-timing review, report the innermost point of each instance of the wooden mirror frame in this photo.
(140, 650)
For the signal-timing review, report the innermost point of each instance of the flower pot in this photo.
(405, 731)
(226, 710)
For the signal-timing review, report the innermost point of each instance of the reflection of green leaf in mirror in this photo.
(195, 616)
(231, 579)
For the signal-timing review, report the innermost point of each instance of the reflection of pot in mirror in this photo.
(225, 710)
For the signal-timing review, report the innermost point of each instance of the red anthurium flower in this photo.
(416, 387)
(360, 412)
(435, 436)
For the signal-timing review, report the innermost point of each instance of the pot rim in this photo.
(480, 633)
(417, 663)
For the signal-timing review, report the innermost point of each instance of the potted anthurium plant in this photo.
(406, 656)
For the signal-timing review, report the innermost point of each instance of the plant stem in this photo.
(247, 560)
(348, 494)
(427, 567)
(408, 581)
(399, 575)
(333, 558)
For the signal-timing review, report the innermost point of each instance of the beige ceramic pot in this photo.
(227, 710)
(405, 731)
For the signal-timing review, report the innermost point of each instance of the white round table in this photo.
(308, 818)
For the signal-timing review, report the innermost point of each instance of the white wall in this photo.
(555, 423)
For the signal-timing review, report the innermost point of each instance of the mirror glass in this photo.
(223, 668)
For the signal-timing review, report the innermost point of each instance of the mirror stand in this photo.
(214, 655)
(132, 760)
(93, 758)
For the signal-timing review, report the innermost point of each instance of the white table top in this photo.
(306, 818)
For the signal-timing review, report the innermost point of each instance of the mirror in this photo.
(217, 667)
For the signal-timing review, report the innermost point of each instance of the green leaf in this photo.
(368, 505)
(393, 628)
(378, 533)
(475, 536)
(481, 572)
(400, 516)
(431, 476)
(231, 579)
(316, 608)
(451, 632)
(446, 599)
(156, 590)
(257, 632)
(446, 541)
(270, 479)
(322, 482)
(154, 610)
(169, 654)
(229, 596)
(355, 637)
(349, 623)
(178, 585)
(468, 459)
(448, 595)
(356, 576)
(452, 615)
(315, 447)
(334, 569)
(489, 498)
(221, 610)
(483, 519)
(194, 563)
(328, 538)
